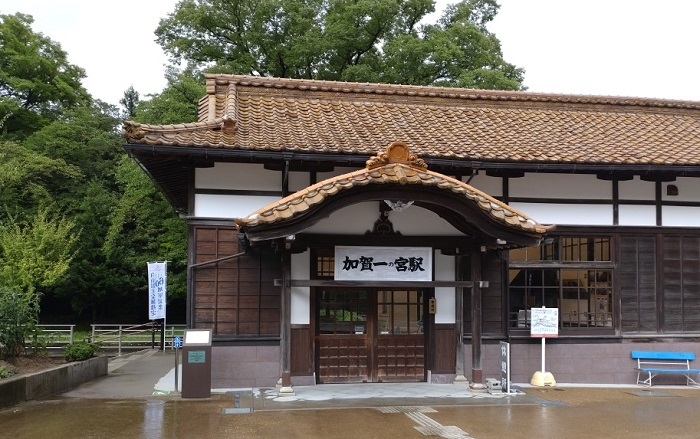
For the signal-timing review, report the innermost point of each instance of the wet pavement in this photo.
(138, 400)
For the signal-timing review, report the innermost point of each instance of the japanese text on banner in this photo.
(157, 282)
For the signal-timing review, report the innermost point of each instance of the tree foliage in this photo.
(37, 83)
(19, 316)
(342, 40)
(64, 168)
(33, 255)
(26, 179)
(129, 102)
(143, 227)
(177, 103)
(36, 253)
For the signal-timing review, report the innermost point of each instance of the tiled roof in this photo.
(395, 166)
(306, 116)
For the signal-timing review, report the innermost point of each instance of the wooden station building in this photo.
(346, 232)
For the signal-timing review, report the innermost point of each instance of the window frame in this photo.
(597, 319)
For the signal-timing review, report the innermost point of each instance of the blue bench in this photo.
(653, 363)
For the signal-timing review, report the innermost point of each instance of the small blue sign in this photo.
(177, 342)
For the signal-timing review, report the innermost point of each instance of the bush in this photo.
(7, 371)
(19, 315)
(80, 351)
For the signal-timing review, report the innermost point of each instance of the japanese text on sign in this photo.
(383, 263)
(157, 281)
(544, 322)
(505, 367)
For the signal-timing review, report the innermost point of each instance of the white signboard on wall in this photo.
(384, 263)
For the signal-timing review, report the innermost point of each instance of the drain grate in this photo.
(237, 409)
(651, 393)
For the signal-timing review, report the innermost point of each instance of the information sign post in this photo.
(196, 363)
(544, 323)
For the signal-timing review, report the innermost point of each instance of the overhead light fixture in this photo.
(398, 205)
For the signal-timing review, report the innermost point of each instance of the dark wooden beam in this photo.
(373, 283)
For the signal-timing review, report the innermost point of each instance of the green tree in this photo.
(342, 40)
(129, 102)
(36, 253)
(91, 281)
(85, 137)
(37, 83)
(33, 255)
(176, 103)
(27, 178)
(60, 151)
(142, 228)
(19, 316)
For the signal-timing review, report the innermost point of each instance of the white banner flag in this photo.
(157, 282)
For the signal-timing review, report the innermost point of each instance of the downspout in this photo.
(460, 378)
(190, 283)
(477, 372)
(286, 328)
(285, 179)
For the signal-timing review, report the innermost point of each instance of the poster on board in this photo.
(544, 322)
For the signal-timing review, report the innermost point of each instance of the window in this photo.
(572, 273)
(342, 311)
(399, 312)
(324, 265)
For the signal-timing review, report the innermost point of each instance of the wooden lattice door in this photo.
(369, 336)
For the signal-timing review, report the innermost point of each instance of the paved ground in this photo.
(137, 400)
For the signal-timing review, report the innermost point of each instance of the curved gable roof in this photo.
(395, 167)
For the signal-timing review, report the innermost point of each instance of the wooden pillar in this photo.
(477, 372)
(286, 327)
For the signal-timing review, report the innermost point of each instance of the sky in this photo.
(634, 48)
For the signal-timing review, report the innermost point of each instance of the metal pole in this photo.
(543, 369)
(177, 353)
(162, 335)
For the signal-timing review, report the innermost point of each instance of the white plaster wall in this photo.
(445, 305)
(246, 176)
(228, 206)
(335, 172)
(359, 218)
(681, 216)
(491, 185)
(568, 214)
(637, 189)
(240, 176)
(301, 296)
(298, 181)
(630, 215)
(688, 189)
(566, 186)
